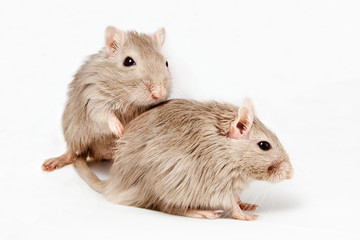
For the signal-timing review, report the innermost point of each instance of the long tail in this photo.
(89, 176)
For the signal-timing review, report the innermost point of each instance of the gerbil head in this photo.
(261, 154)
(142, 71)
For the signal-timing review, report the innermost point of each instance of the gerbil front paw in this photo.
(247, 206)
(209, 214)
(246, 217)
(115, 126)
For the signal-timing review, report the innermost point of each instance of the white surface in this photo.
(298, 60)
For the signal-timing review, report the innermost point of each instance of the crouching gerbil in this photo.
(192, 159)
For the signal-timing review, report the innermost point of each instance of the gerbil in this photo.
(192, 159)
(111, 88)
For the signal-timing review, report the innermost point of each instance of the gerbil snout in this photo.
(275, 166)
(279, 170)
(290, 174)
(156, 92)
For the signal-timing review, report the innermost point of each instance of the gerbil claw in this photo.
(58, 162)
(53, 163)
(218, 213)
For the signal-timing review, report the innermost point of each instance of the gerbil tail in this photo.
(89, 176)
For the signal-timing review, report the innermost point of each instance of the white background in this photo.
(299, 61)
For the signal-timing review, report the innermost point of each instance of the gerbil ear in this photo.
(159, 37)
(241, 126)
(114, 39)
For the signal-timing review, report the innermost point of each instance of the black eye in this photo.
(167, 64)
(264, 145)
(129, 62)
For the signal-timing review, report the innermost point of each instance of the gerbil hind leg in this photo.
(209, 214)
(58, 162)
(238, 214)
(102, 149)
(105, 155)
(247, 206)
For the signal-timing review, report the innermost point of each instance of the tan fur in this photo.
(178, 158)
(84, 170)
(105, 95)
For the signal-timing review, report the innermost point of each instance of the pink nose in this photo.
(290, 174)
(156, 95)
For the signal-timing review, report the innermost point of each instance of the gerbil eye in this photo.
(264, 145)
(167, 64)
(129, 62)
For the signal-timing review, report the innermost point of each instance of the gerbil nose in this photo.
(289, 174)
(157, 94)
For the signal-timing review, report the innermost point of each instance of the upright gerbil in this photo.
(192, 159)
(111, 88)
